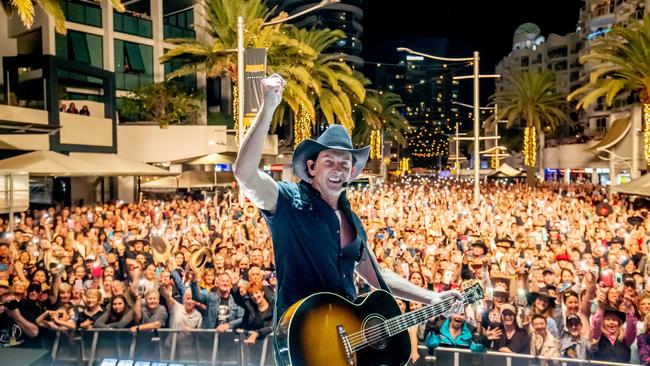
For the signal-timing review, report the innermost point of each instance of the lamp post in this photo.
(475, 76)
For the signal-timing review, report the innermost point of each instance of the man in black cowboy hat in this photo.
(318, 241)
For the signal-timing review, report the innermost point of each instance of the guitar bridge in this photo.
(349, 353)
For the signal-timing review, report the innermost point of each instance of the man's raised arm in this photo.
(258, 186)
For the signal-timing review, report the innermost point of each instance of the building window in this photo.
(133, 23)
(83, 12)
(133, 65)
(187, 81)
(524, 61)
(601, 124)
(560, 66)
(179, 25)
(557, 52)
(80, 47)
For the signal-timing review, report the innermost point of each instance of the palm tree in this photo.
(333, 83)
(532, 98)
(621, 61)
(292, 59)
(379, 112)
(26, 9)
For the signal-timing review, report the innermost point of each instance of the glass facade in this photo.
(132, 24)
(187, 81)
(82, 12)
(133, 65)
(179, 25)
(81, 47)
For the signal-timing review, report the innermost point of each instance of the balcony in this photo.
(82, 12)
(130, 22)
(75, 127)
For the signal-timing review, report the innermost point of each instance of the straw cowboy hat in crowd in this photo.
(160, 249)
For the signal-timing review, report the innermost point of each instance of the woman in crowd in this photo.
(118, 315)
(258, 312)
(541, 303)
(93, 310)
(609, 342)
(509, 338)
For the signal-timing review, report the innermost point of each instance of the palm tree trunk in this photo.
(540, 156)
(530, 176)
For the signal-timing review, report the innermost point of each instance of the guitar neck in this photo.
(401, 323)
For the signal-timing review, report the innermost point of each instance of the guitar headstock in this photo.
(473, 293)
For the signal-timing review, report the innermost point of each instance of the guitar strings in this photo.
(362, 338)
(376, 332)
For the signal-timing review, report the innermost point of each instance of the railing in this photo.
(132, 23)
(83, 12)
(458, 357)
(196, 346)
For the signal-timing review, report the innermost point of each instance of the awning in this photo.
(614, 135)
(215, 158)
(506, 171)
(190, 179)
(50, 164)
(115, 165)
(640, 186)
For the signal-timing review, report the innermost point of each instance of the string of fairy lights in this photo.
(424, 141)
(235, 112)
(375, 144)
(646, 131)
(302, 125)
(530, 146)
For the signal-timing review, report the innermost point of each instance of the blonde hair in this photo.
(95, 293)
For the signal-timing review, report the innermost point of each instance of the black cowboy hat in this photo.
(619, 314)
(531, 296)
(480, 243)
(635, 220)
(509, 243)
(335, 137)
(641, 203)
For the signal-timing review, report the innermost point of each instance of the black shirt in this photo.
(306, 241)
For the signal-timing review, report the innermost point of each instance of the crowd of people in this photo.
(563, 267)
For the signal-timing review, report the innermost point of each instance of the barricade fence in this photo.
(209, 347)
(195, 346)
(464, 357)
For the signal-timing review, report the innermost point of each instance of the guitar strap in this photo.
(375, 266)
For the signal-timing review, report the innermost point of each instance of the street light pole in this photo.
(476, 76)
(477, 157)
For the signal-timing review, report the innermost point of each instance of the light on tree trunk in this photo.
(530, 146)
(235, 112)
(375, 144)
(302, 127)
(646, 131)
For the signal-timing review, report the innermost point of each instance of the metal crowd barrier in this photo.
(457, 357)
(209, 347)
(195, 346)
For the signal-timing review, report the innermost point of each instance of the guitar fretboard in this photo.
(400, 323)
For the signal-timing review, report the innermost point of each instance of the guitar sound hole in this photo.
(374, 331)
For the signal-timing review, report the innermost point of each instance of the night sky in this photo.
(457, 27)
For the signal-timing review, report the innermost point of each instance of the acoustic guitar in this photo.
(326, 329)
